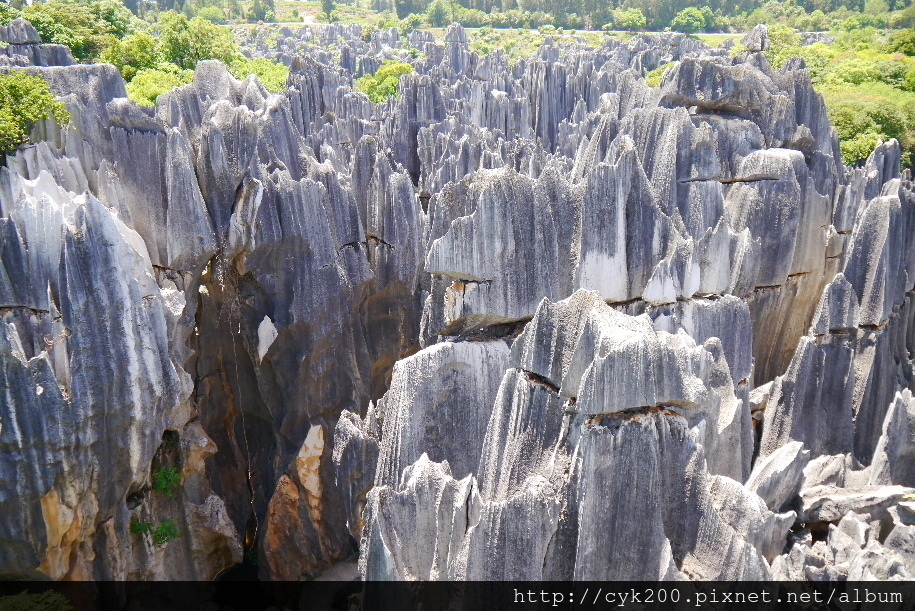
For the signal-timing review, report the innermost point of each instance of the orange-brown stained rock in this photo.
(63, 526)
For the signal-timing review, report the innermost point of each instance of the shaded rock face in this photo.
(458, 313)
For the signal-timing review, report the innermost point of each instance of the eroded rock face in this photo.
(458, 313)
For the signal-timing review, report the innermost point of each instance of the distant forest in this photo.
(651, 15)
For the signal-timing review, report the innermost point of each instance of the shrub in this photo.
(149, 83)
(892, 72)
(132, 53)
(272, 74)
(909, 82)
(166, 532)
(25, 100)
(863, 114)
(857, 71)
(383, 84)
(138, 528)
(166, 479)
(656, 77)
(902, 41)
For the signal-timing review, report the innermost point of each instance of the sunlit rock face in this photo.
(548, 320)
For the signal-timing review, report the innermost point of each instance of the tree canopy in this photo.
(25, 100)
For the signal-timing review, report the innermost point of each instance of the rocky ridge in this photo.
(459, 313)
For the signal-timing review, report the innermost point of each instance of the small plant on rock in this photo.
(167, 480)
(166, 532)
(139, 528)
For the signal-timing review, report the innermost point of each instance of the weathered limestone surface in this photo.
(549, 321)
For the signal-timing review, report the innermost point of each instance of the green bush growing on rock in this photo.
(166, 532)
(656, 76)
(148, 84)
(272, 74)
(383, 84)
(139, 528)
(25, 100)
(166, 480)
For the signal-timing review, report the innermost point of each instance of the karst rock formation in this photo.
(525, 320)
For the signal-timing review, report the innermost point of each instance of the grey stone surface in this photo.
(18, 32)
(533, 314)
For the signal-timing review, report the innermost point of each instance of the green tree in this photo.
(185, 42)
(132, 53)
(85, 27)
(25, 100)
(7, 13)
(233, 9)
(902, 41)
(688, 20)
(257, 11)
(66, 23)
(876, 7)
(113, 16)
(909, 83)
(213, 14)
(328, 6)
(629, 19)
(439, 13)
(904, 18)
(856, 71)
(411, 22)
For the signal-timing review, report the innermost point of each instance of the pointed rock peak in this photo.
(757, 39)
(456, 34)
